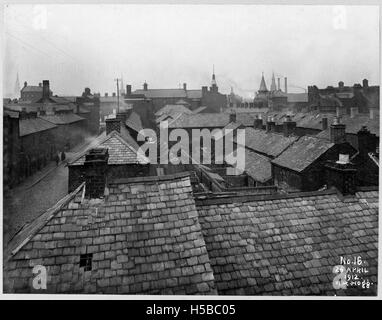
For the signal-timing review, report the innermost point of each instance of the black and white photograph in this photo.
(190, 149)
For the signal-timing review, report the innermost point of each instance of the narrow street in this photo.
(38, 193)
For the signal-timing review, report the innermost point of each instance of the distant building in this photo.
(342, 99)
(32, 93)
(36, 130)
(210, 98)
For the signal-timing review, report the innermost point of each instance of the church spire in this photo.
(214, 87)
(263, 86)
(16, 92)
(273, 84)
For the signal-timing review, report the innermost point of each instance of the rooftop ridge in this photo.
(249, 198)
(151, 178)
(36, 225)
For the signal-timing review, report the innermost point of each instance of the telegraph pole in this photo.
(117, 94)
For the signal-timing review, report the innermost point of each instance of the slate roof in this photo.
(211, 120)
(199, 109)
(182, 102)
(289, 245)
(60, 119)
(149, 235)
(120, 151)
(34, 125)
(313, 120)
(134, 121)
(267, 143)
(201, 120)
(162, 93)
(194, 94)
(144, 237)
(353, 125)
(302, 153)
(32, 89)
(169, 109)
(257, 166)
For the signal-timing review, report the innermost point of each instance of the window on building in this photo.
(86, 261)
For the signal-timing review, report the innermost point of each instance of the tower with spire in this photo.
(214, 87)
(273, 84)
(263, 87)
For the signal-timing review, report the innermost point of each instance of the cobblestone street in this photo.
(37, 193)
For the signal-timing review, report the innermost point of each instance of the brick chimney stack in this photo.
(128, 90)
(337, 132)
(95, 172)
(185, 86)
(271, 125)
(367, 142)
(258, 123)
(286, 84)
(288, 126)
(113, 124)
(232, 117)
(342, 175)
(324, 123)
(145, 86)
(45, 89)
(353, 112)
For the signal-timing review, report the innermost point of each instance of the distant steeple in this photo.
(273, 84)
(214, 87)
(263, 86)
(16, 92)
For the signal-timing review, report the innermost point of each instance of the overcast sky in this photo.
(78, 46)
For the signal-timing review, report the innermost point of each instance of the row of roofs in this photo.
(151, 236)
(310, 120)
(30, 123)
